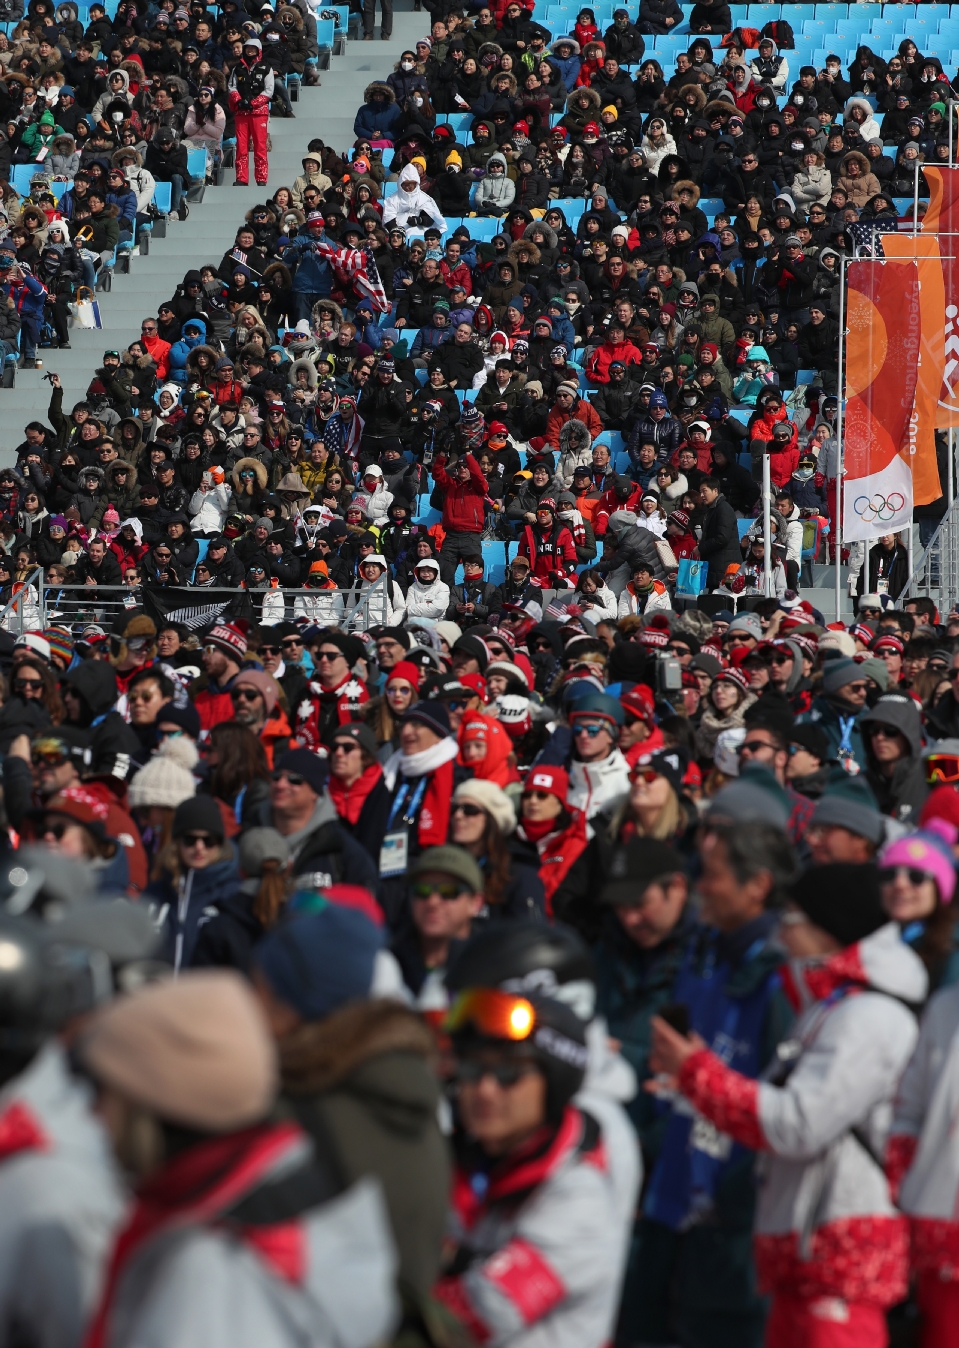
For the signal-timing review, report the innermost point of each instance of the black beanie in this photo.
(199, 814)
(841, 898)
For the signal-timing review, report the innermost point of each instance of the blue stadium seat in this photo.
(162, 197)
(325, 32)
(196, 163)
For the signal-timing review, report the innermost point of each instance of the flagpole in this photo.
(767, 531)
(839, 430)
(915, 204)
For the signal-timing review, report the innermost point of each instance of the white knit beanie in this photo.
(492, 798)
(167, 780)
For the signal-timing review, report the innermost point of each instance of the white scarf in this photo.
(417, 765)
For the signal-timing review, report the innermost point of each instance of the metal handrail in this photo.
(200, 606)
(12, 617)
(942, 558)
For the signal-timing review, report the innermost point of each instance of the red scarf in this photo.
(434, 821)
(195, 1188)
(349, 800)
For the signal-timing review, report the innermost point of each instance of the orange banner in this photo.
(942, 221)
(924, 250)
(881, 374)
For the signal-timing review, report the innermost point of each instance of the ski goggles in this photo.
(500, 1015)
(942, 769)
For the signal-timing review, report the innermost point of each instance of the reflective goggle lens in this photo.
(501, 1015)
(942, 768)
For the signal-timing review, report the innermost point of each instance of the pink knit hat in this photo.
(929, 850)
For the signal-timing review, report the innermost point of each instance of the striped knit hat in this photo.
(60, 643)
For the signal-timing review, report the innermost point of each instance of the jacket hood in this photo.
(899, 711)
(687, 184)
(857, 102)
(379, 87)
(96, 683)
(303, 364)
(526, 244)
(259, 470)
(495, 158)
(552, 238)
(131, 471)
(573, 103)
(574, 435)
(855, 156)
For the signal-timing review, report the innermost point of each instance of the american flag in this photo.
(358, 267)
(867, 238)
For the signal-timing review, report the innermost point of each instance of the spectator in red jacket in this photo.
(464, 510)
(624, 494)
(615, 347)
(223, 651)
(773, 435)
(152, 342)
(568, 405)
(550, 548)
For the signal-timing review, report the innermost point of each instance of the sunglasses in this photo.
(505, 1074)
(199, 840)
(56, 829)
(330, 655)
(425, 889)
(753, 746)
(244, 695)
(914, 874)
(269, 650)
(292, 778)
(20, 685)
(591, 730)
(345, 747)
(465, 808)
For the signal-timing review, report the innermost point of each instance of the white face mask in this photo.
(803, 474)
(406, 65)
(566, 514)
(418, 100)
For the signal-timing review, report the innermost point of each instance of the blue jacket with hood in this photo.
(194, 334)
(313, 276)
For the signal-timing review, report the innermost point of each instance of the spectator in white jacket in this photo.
(373, 496)
(829, 1244)
(595, 597)
(210, 506)
(643, 594)
(380, 601)
(428, 596)
(321, 601)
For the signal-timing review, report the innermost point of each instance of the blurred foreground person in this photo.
(61, 1196)
(237, 1238)
(829, 1244)
(547, 1163)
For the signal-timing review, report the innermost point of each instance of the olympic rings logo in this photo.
(882, 508)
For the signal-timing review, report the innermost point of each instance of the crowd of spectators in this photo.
(503, 943)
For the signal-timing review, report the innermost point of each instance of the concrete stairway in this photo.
(327, 111)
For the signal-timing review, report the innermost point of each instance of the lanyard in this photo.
(407, 817)
(846, 724)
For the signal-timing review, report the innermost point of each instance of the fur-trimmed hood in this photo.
(572, 102)
(201, 350)
(311, 373)
(689, 186)
(127, 150)
(379, 87)
(574, 437)
(488, 49)
(64, 144)
(278, 274)
(321, 1054)
(679, 96)
(133, 362)
(261, 474)
(528, 246)
(327, 307)
(131, 470)
(552, 238)
(285, 11)
(854, 157)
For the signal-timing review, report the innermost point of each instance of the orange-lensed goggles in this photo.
(500, 1015)
(942, 769)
